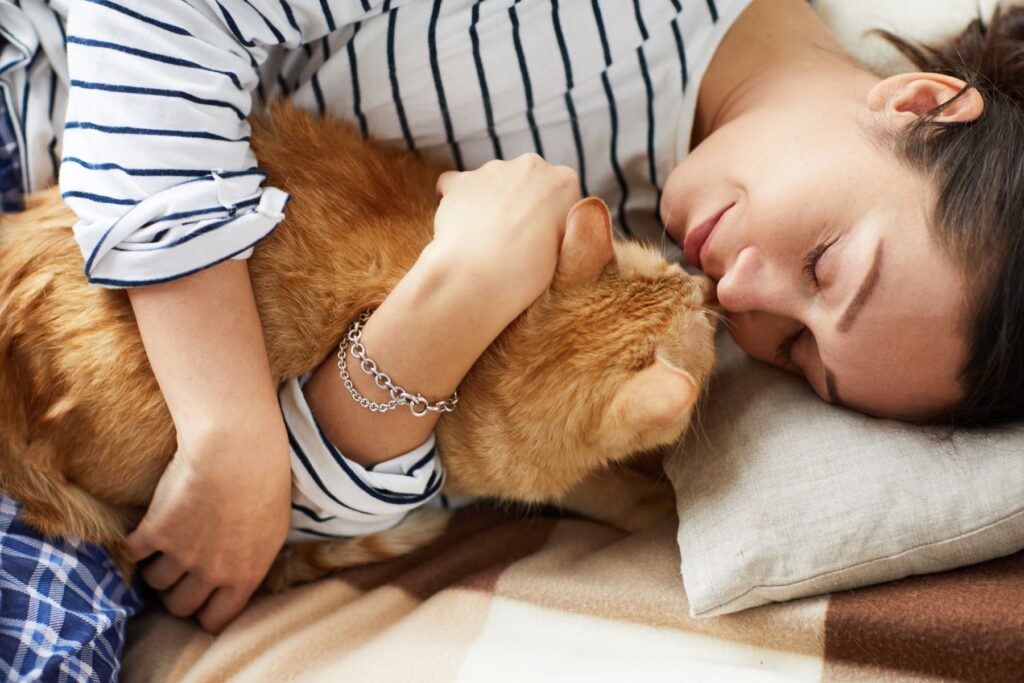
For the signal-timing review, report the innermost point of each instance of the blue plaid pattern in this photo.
(63, 606)
(10, 163)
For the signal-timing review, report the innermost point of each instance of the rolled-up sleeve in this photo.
(157, 163)
(333, 496)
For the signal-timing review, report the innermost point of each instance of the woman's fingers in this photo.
(140, 545)
(162, 572)
(224, 605)
(187, 595)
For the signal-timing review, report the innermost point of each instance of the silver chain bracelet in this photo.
(418, 404)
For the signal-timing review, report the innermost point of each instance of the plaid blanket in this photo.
(10, 159)
(502, 598)
(63, 606)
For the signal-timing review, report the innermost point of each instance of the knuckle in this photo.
(177, 608)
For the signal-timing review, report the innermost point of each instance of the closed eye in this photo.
(784, 354)
(810, 264)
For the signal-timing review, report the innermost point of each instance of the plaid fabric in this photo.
(63, 606)
(501, 599)
(10, 162)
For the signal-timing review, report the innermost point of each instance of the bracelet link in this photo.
(417, 403)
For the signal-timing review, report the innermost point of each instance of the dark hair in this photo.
(978, 170)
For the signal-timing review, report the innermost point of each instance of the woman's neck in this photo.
(776, 49)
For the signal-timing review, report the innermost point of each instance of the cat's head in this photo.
(609, 362)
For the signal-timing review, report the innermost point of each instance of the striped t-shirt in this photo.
(142, 105)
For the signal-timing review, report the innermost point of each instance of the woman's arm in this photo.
(496, 238)
(221, 510)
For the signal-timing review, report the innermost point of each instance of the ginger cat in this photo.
(606, 364)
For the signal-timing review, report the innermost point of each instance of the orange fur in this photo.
(607, 363)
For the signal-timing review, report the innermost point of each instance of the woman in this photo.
(837, 210)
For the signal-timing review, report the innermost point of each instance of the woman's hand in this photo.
(221, 510)
(217, 520)
(504, 224)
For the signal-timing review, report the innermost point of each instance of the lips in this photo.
(694, 246)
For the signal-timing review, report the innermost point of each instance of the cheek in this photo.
(760, 335)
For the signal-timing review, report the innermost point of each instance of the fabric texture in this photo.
(156, 156)
(781, 495)
(333, 496)
(502, 598)
(63, 607)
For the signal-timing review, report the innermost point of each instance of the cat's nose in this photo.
(707, 289)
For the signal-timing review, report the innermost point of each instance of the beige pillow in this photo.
(781, 495)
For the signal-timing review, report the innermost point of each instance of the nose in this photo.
(752, 284)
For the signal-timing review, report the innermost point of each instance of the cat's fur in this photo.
(603, 365)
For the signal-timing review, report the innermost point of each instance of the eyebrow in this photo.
(863, 294)
(850, 315)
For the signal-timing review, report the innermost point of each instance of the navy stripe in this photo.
(713, 10)
(126, 130)
(283, 85)
(316, 478)
(136, 90)
(160, 280)
(614, 115)
(405, 499)
(327, 15)
(99, 198)
(524, 72)
(233, 27)
(141, 17)
(354, 71)
(600, 30)
(318, 94)
(570, 106)
(165, 59)
(319, 534)
(366, 5)
(26, 172)
(52, 150)
(396, 94)
(652, 167)
(60, 25)
(199, 212)
(485, 94)
(683, 68)
(159, 172)
(199, 232)
(431, 454)
(309, 513)
(649, 89)
(53, 95)
(640, 20)
(278, 36)
(289, 15)
(442, 101)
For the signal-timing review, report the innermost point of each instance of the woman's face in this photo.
(819, 241)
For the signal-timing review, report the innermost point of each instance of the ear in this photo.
(587, 245)
(909, 96)
(657, 397)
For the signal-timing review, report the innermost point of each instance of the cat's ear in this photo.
(657, 397)
(587, 245)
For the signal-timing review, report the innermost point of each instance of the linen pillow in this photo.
(782, 496)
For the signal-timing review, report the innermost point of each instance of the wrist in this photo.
(467, 289)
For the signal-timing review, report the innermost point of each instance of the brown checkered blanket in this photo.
(507, 598)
